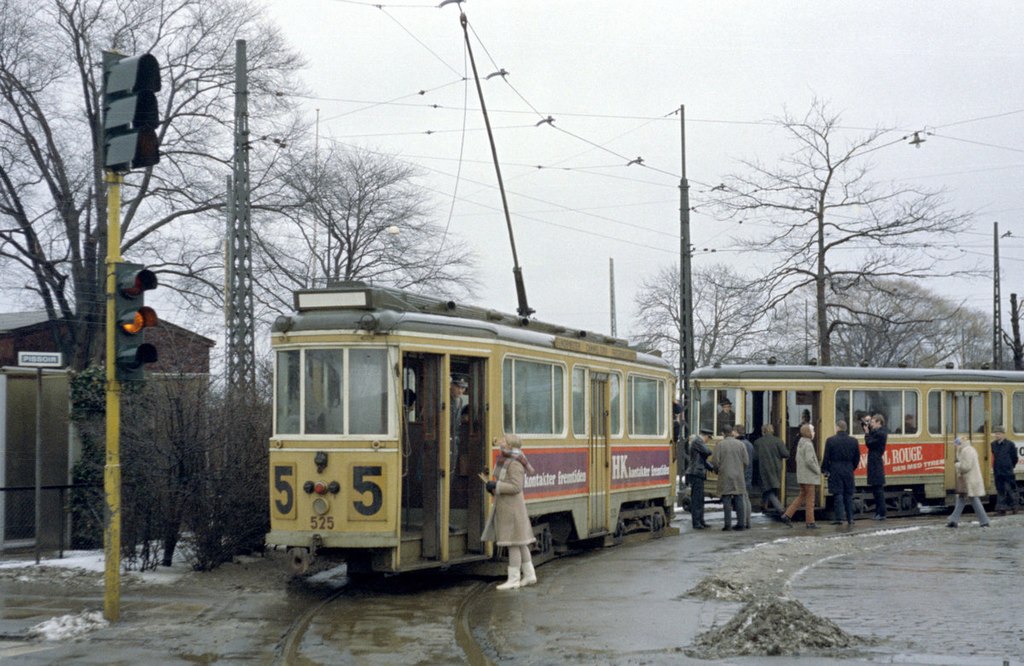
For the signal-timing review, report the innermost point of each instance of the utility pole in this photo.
(611, 290)
(997, 311)
(238, 299)
(686, 360)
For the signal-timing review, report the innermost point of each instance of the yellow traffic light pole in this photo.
(112, 467)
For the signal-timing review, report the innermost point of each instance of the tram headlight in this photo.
(321, 506)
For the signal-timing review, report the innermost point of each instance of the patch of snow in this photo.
(68, 626)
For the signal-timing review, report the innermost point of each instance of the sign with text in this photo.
(40, 359)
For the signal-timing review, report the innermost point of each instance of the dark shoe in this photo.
(877, 517)
(950, 524)
(836, 522)
(849, 524)
(738, 528)
(698, 527)
(727, 528)
(985, 525)
(811, 526)
(704, 526)
(786, 520)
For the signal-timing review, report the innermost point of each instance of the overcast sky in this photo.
(612, 74)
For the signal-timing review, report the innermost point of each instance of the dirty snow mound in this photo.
(771, 627)
(716, 587)
(67, 626)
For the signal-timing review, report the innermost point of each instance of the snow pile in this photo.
(68, 626)
(771, 627)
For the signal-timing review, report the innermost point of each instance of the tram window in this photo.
(1018, 411)
(910, 420)
(718, 410)
(647, 405)
(997, 409)
(324, 371)
(887, 403)
(935, 412)
(843, 411)
(288, 387)
(579, 401)
(970, 413)
(368, 391)
(615, 388)
(534, 398)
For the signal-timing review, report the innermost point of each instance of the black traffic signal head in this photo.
(130, 112)
(131, 319)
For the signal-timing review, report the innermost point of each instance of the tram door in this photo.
(801, 407)
(969, 414)
(764, 407)
(467, 454)
(422, 434)
(600, 462)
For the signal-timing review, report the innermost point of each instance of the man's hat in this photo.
(460, 381)
(707, 431)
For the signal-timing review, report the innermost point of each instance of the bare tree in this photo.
(730, 324)
(910, 325)
(53, 205)
(355, 215)
(1014, 341)
(832, 229)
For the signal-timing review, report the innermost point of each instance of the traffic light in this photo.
(130, 112)
(131, 319)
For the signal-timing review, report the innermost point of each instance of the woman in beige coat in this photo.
(968, 482)
(808, 475)
(509, 525)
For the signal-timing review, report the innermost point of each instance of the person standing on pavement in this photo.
(696, 473)
(770, 451)
(1004, 460)
(509, 524)
(748, 473)
(875, 437)
(968, 483)
(842, 457)
(808, 475)
(729, 459)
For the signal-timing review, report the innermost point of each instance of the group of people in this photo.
(733, 457)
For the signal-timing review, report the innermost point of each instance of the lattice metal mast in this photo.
(238, 298)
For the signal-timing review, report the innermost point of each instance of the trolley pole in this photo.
(112, 467)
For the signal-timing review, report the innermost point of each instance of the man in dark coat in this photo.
(696, 474)
(770, 451)
(1004, 460)
(875, 437)
(842, 456)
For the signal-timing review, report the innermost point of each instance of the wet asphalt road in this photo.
(930, 595)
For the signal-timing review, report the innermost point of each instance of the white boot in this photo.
(529, 575)
(513, 580)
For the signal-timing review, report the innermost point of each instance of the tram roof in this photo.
(834, 373)
(360, 306)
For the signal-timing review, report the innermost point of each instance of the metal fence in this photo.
(18, 530)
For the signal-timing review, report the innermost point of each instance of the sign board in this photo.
(40, 359)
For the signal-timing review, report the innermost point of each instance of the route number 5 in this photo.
(369, 497)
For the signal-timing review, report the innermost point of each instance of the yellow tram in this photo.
(925, 409)
(386, 407)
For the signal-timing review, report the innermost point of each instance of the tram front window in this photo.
(368, 391)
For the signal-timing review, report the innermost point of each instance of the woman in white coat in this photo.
(509, 524)
(808, 475)
(968, 483)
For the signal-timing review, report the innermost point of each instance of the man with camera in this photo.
(875, 437)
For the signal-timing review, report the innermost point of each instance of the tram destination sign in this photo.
(40, 359)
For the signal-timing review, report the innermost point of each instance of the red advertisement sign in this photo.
(908, 459)
(636, 467)
(561, 472)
